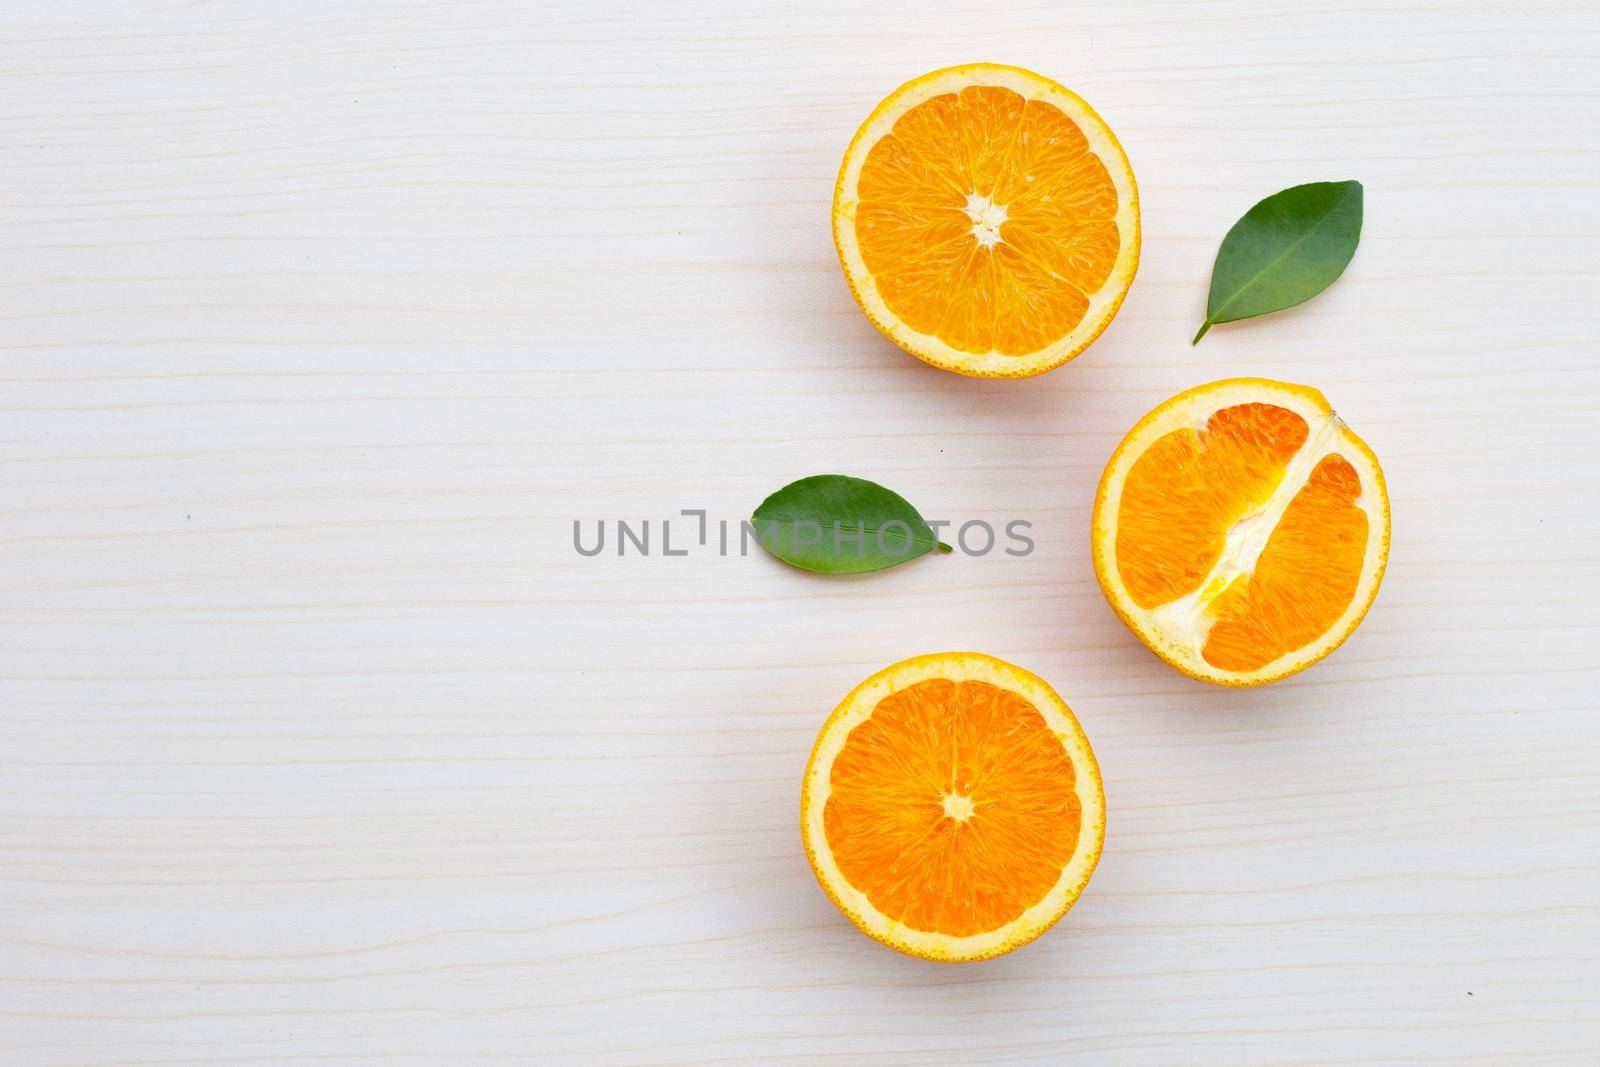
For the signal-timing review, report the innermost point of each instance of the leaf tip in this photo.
(945, 549)
(1203, 328)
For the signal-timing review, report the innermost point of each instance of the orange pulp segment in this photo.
(952, 807)
(1304, 579)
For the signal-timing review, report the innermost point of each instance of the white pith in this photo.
(1179, 628)
(957, 807)
(987, 218)
(856, 709)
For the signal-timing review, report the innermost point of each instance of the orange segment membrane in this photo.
(986, 221)
(952, 807)
(1303, 580)
(1190, 487)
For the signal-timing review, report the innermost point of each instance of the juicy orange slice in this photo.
(987, 221)
(1241, 530)
(952, 807)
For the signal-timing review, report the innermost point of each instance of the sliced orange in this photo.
(1241, 530)
(952, 807)
(987, 221)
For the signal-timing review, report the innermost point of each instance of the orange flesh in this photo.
(1304, 578)
(973, 862)
(1189, 488)
(947, 260)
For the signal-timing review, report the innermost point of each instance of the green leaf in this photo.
(836, 524)
(1286, 250)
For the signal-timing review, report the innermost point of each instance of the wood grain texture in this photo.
(322, 323)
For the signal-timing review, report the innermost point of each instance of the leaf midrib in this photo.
(865, 529)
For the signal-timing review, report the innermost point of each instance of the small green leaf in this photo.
(836, 524)
(1284, 251)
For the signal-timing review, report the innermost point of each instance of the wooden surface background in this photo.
(320, 744)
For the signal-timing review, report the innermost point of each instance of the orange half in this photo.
(1241, 530)
(987, 221)
(952, 807)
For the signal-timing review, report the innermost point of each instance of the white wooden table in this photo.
(320, 744)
